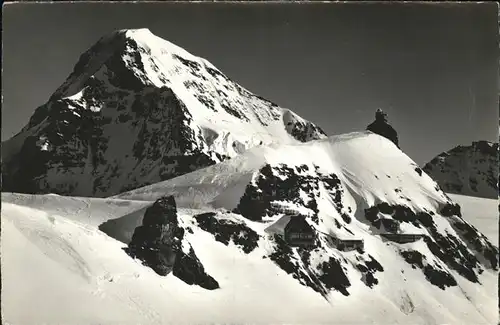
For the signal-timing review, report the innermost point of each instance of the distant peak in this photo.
(148, 39)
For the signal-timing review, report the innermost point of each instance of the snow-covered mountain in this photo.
(137, 110)
(468, 170)
(235, 265)
(192, 237)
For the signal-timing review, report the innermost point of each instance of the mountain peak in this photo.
(138, 109)
(136, 31)
(468, 170)
(139, 34)
(136, 34)
(145, 37)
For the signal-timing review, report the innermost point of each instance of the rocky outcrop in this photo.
(282, 183)
(278, 183)
(159, 244)
(189, 269)
(322, 268)
(301, 129)
(226, 231)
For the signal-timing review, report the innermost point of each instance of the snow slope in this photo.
(467, 170)
(481, 212)
(91, 211)
(369, 165)
(83, 277)
(136, 110)
(338, 185)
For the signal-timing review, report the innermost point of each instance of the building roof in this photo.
(298, 223)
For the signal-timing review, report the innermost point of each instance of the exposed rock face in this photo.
(451, 250)
(137, 110)
(381, 127)
(158, 240)
(256, 202)
(323, 269)
(468, 170)
(189, 269)
(226, 231)
(301, 129)
(296, 190)
(283, 183)
(158, 243)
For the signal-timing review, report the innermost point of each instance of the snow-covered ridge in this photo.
(468, 170)
(356, 186)
(370, 165)
(137, 110)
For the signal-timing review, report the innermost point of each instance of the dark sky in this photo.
(432, 67)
